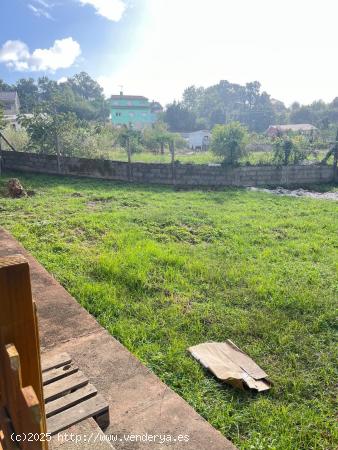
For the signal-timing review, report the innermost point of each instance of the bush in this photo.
(289, 150)
(74, 137)
(229, 142)
(18, 138)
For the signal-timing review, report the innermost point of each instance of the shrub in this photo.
(229, 142)
(18, 138)
(289, 150)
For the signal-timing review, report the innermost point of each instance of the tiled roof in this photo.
(128, 97)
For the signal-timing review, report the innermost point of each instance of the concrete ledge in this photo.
(139, 402)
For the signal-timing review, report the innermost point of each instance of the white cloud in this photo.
(62, 80)
(63, 53)
(40, 8)
(44, 3)
(40, 12)
(110, 9)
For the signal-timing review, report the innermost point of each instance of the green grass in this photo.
(164, 269)
(196, 157)
(184, 156)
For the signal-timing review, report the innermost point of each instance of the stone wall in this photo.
(179, 174)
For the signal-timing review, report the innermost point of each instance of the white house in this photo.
(302, 128)
(198, 139)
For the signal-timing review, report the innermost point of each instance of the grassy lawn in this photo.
(164, 269)
(195, 157)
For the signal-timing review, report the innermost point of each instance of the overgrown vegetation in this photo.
(164, 269)
(290, 150)
(80, 95)
(72, 118)
(229, 142)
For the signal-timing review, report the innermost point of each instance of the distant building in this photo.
(198, 139)
(302, 128)
(10, 103)
(133, 110)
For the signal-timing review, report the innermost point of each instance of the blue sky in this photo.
(105, 39)
(158, 47)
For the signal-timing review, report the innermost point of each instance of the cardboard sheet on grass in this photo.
(228, 363)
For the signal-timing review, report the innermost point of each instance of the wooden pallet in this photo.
(69, 397)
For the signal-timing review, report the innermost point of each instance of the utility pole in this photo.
(172, 153)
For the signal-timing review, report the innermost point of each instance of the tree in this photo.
(85, 87)
(229, 142)
(45, 130)
(47, 89)
(131, 140)
(89, 95)
(4, 87)
(302, 115)
(179, 117)
(80, 95)
(225, 102)
(334, 103)
(289, 150)
(28, 94)
(157, 137)
(192, 97)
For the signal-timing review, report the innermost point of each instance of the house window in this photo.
(118, 114)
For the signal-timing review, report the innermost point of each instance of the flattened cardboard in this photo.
(229, 364)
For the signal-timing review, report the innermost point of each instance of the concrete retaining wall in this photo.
(179, 174)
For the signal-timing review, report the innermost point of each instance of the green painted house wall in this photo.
(136, 111)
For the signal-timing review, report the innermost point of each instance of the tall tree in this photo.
(225, 102)
(179, 118)
(85, 87)
(4, 87)
(28, 94)
(302, 115)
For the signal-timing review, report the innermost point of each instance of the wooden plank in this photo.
(64, 386)
(49, 362)
(31, 403)
(18, 325)
(56, 374)
(91, 407)
(21, 404)
(69, 400)
(10, 380)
